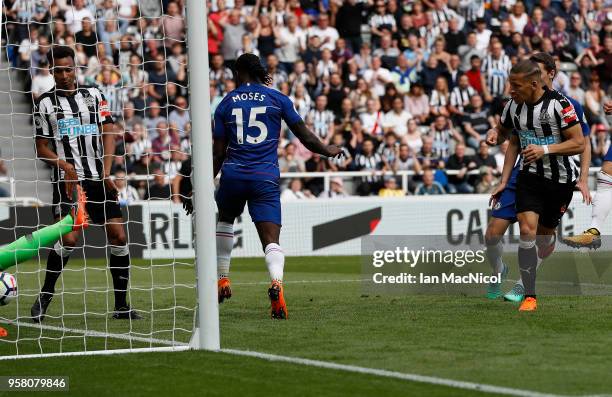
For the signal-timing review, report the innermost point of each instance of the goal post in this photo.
(204, 204)
(175, 292)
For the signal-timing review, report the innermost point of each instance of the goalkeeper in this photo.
(26, 247)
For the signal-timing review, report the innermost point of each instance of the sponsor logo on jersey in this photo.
(544, 117)
(89, 101)
(72, 128)
(529, 137)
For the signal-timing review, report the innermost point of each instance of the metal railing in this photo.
(326, 176)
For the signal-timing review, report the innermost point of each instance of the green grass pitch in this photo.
(563, 348)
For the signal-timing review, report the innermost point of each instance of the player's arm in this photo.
(109, 134)
(312, 142)
(43, 151)
(573, 144)
(299, 129)
(220, 141)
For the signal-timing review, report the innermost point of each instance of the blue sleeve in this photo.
(586, 131)
(288, 112)
(219, 123)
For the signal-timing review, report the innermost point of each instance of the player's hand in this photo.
(70, 179)
(496, 194)
(491, 138)
(187, 205)
(532, 153)
(584, 190)
(110, 185)
(333, 150)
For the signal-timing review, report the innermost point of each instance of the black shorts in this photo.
(544, 197)
(101, 204)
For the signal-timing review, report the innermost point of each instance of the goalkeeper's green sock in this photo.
(26, 247)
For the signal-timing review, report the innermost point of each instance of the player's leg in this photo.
(265, 210)
(602, 204)
(528, 257)
(495, 249)
(225, 244)
(58, 255)
(230, 198)
(119, 265)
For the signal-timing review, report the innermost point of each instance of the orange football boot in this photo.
(529, 304)
(277, 300)
(225, 289)
(79, 213)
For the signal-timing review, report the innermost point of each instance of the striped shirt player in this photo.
(496, 72)
(542, 124)
(73, 126)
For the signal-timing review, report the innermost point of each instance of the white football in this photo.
(8, 288)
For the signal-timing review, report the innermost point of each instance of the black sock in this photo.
(528, 261)
(120, 270)
(55, 264)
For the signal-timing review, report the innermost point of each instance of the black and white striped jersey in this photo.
(460, 98)
(369, 163)
(496, 72)
(542, 124)
(73, 125)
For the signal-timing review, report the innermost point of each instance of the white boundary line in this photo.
(392, 374)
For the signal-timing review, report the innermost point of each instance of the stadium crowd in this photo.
(400, 84)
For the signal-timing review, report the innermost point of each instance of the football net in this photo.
(135, 53)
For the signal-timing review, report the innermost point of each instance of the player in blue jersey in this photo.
(602, 203)
(247, 127)
(503, 203)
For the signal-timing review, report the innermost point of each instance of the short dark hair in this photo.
(545, 59)
(59, 52)
(527, 67)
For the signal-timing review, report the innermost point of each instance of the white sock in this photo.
(494, 254)
(602, 203)
(225, 243)
(275, 260)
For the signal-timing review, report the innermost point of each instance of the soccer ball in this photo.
(8, 288)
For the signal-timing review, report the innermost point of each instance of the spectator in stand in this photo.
(460, 98)
(413, 136)
(348, 21)
(442, 132)
(575, 90)
(460, 162)
(336, 189)
(43, 81)
(289, 162)
(75, 15)
(159, 189)
(377, 77)
(429, 186)
(406, 160)
(390, 188)
(487, 182)
(417, 103)
(322, 119)
(326, 33)
(153, 119)
(369, 160)
(295, 191)
(439, 99)
(396, 120)
(160, 147)
(372, 120)
(484, 159)
(180, 115)
(476, 122)
(233, 30)
(126, 193)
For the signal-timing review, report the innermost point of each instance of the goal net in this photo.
(134, 52)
